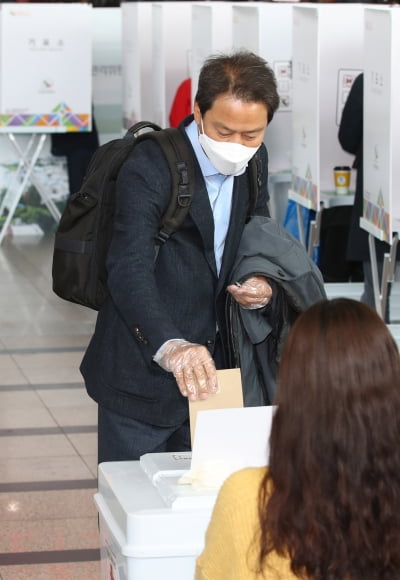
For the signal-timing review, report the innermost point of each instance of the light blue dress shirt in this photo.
(220, 188)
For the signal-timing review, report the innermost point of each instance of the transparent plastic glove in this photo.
(192, 366)
(253, 293)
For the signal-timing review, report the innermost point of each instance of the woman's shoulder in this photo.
(248, 473)
(247, 479)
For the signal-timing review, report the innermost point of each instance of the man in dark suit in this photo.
(351, 139)
(162, 331)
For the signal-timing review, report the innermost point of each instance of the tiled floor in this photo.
(47, 425)
(48, 519)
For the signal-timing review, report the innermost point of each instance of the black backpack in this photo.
(84, 232)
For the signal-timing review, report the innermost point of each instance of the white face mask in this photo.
(228, 158)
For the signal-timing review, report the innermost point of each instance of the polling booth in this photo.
(107, 72)
(153, 513)
(156, 59)
(327, 56)
(266, 29)
(136, 62)
(381, 207)
(45, 57)
(172, 33)
(164, 45)
(211, 33)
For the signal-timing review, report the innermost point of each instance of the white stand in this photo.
(388, 273)
(278, 186)
(327, 201)
(315, 225)
(313, 237)
(28, 159)
(314, 230)
(300, 222)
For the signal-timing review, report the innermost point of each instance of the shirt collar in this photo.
(207, 168)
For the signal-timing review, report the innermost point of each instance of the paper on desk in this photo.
(230, 395)
(227, 440)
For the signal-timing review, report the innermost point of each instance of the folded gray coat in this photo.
(257, 336)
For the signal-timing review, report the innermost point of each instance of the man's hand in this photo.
(192, 366)
(254, 293)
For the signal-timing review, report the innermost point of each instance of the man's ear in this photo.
(196, 113)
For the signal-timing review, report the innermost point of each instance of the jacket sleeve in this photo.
(142, 195)
(351, 124)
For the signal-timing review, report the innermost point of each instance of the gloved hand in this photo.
(192, 366)
(254, 293)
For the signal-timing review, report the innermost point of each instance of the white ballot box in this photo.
(150, 526)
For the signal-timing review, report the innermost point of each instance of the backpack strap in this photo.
(139, 126)
(181, 164)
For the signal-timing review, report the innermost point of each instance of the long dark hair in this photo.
(331, 497)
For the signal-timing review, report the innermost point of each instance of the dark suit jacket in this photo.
(351, 139)
(178, 296)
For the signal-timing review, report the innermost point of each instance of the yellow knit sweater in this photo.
(230, 552)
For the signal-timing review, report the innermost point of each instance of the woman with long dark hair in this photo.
(328, 505)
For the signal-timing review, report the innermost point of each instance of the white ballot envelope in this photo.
(230, 395)
(227, 440)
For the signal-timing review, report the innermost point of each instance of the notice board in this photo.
(45, 67)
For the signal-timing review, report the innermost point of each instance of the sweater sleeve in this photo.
(229, 537)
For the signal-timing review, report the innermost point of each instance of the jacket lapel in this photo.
(201, 214)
